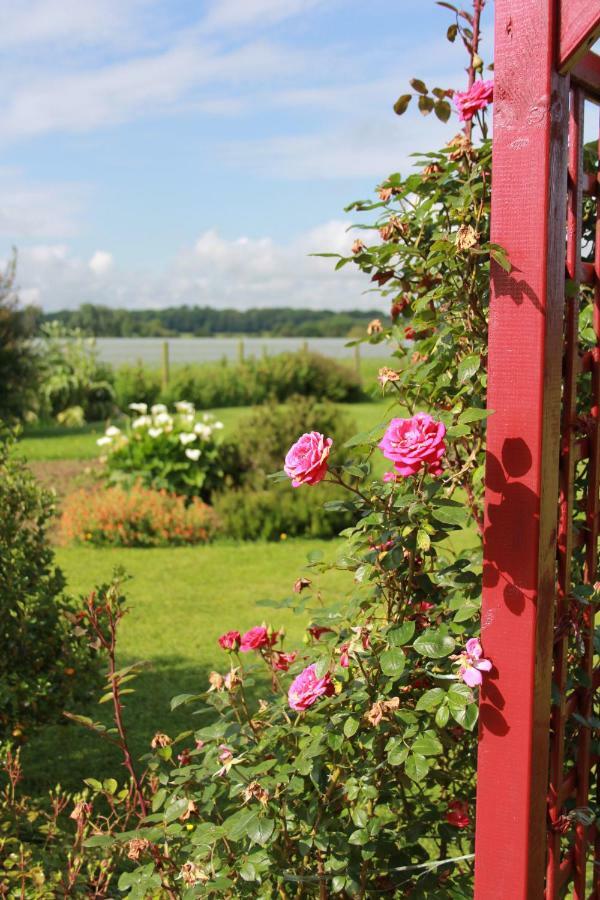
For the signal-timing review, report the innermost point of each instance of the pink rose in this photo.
(230, 640)
(414, 443)
(477, 97)
(307, 688)
(282, 661)
(344, 656)
(472, 663)
(257, 638)
(306, 460)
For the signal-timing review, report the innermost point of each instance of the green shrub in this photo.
(260, 509)
(42, 665)
(137, 384)
(258, 380)
(75, 386)
(264, 436)
(18, 357)
(270, 515)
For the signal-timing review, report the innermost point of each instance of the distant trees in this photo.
(204, 321)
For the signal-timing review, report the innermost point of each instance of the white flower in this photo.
(203, 430)
(141, 422)
(103, 441)
(155, 432)
(141, 408)
(184, 407)
(218, 425)
(187, 438)
(158, 408)
(193, 455)
(112, 431)
(162, 418)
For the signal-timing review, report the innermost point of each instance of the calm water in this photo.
(198, 350)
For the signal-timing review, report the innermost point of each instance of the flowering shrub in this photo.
(177, 452)
(350, 772)
(138, 517)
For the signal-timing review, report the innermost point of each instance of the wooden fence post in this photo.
(524, 392)
(166, 369)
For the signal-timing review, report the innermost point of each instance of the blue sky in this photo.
(164, 151)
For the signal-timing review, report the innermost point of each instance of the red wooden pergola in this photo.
(537, 768)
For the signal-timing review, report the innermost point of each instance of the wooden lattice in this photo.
(537, 784)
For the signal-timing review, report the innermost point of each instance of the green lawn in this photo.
(80, 443)
(181, 600)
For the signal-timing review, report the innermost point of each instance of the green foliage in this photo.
(262, 510)
(136, 384)
(258, 380)
(251, 514)
(75, 387)
(18, 357)
(179, 453)
(44, 665)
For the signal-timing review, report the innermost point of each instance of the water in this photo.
(198, 350)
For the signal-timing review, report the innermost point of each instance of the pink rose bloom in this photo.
(472, 663)
(282, 661)
(306, 460)
(307, 688)
(458, 814)
(477, 97)
(257, 638)
(413, 444)
(230, 640)
(344, 656)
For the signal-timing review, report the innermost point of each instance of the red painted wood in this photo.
(524, 385)
(568, 458)
(579, 28)
(586, 73)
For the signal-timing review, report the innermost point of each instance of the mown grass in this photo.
(180, 601)
(63, 443)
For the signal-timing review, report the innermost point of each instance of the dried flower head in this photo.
(254, 791)
(466, 237)
(386, 375)
(358, 246)
(382, 709)
(374, 327)
(216, 681)
(137, 846)
(191, 874)
(160, 740)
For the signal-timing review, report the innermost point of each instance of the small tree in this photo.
(18, 357)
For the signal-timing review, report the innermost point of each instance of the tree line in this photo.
(205, 321)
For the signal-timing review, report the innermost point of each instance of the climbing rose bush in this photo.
(343, 765)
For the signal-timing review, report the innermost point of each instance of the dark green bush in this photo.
(261, 509)
(252, 515)
(264, 436)
(137, 384)
(258, 380)
(43, 665)
(18, 357)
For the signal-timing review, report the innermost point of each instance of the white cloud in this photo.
(29, 210)
(48, 21)
(227, 14)
(214, 271)
(101, 262)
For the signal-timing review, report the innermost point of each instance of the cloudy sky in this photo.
(156, 152)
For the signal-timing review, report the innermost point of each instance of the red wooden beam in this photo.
(579, 28)
(586, 73)
(524, 390)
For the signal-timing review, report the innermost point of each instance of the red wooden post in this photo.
(524, 391)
